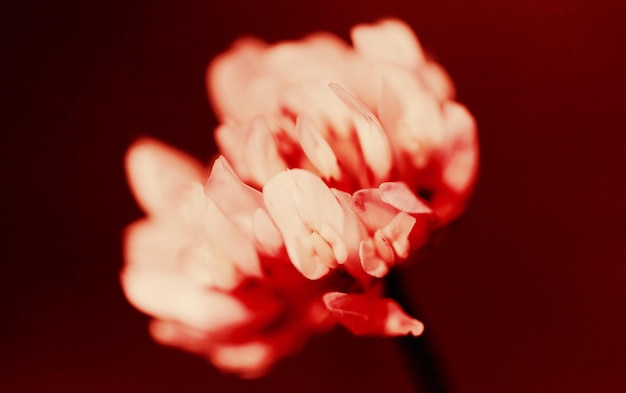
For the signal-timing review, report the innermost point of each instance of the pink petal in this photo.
(229, 137)
(202, 264)
(437, 81)
(297, 60)
(459, 163)
(234, 198)
(158, 174)
(204, 223)
(388, 41)
(371, 135)
(411, 115)
(371, 262)
(261, 153)
(462, 164)
(368, 315)
(371, 210)
(317, 150)
(248, 359)
(178, 335)
(152, 243)
(267, 235)
(398, 195)
(166, 295)
(310, 219)
(312, 97)
(242, 72)
(397, 233)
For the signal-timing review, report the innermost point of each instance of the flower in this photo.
(337, 163)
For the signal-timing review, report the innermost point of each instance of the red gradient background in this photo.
(526, 292)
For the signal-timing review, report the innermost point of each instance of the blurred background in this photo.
(525, 293)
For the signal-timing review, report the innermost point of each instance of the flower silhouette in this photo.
(337, 163)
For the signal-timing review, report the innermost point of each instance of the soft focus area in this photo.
(524, 293)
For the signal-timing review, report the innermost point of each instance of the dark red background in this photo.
(526, 293)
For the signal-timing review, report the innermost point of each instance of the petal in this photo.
(228, 243)
(234, 198)
(317, 150)
(398, 195)
(411, 114)
(319, 53)
(371, 261)
(248, 359)
(203, 264)
(311, 95)
(261, 153)
(368, 315)
(462, 164)
(242, 72)
(459, 163)
(229, 137)
(231, 243)
(371, 210)
(388, 41)
(158, 174)
(170, 296)
(153, 243)
(300, 203)
(371, 135)
(437, 81)
(266, 233)
(397, 233)
(178, 335)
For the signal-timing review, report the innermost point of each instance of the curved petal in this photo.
(371, 135)
(241, 72)
(459, 164)
(310, 219)
(398, 195)
(390, 40)
(317, 150)
(371, 261)
(155, 244)
(260, 152)
(203, 264)
(158, 174)
(170, 296)
(371, 210)
(233, 197)
(462, 160)
(368, 315)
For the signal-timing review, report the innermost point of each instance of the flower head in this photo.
(356, 116)
(328, 153)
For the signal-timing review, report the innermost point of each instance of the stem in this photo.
(424, 369)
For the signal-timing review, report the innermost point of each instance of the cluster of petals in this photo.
(336, 163)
